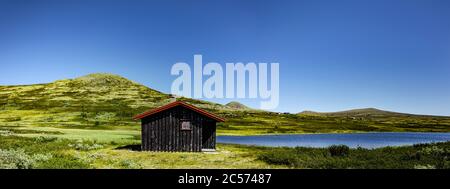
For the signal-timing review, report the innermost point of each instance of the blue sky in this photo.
(333, 55)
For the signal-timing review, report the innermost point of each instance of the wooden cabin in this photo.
(178, 126)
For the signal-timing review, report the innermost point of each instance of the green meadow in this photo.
(105, 149)
(52, 148)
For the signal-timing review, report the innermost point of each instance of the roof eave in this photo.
(178, 103)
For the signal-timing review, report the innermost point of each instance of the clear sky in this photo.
(333, 55)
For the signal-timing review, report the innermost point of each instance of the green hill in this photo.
(107, 101)
(364, 112)
(368, 113)
(237, 105)
(95, 99)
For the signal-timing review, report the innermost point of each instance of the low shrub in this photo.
(278, 157)
(85, 145)
(6, 133)
(63, 162)
(430, 156)
(339, 150)
(424, 167)
(435, 151)
(45, 139)
(412, 156)
(15, 159)
(441, 156)
(11, 119)
(130, 164)
(40, 152)
(18, 159)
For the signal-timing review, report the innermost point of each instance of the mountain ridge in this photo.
(359, 112)
(237, 105)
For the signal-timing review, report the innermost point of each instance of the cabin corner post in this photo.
(214, 135)
(142, 137)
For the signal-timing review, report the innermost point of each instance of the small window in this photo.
(186, 125)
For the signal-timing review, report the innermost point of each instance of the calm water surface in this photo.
(353, 140)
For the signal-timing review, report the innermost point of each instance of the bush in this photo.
(89, 158)
(15, 159)
(435, 151)
(18, 159)
(45, 139)
(279, 158)
(430, 156)
(412, 156)
(12, 119)
(440, 156)
(130, 164)
(424, 167)
(6, 133)
(60, 161)
(339, 150)
(85, 145)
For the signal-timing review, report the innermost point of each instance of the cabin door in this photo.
(208, 135)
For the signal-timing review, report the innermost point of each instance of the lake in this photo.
(353, 140)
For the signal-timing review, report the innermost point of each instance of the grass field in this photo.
(119, 149)
(77, 148)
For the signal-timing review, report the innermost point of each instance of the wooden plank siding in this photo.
(162, 131)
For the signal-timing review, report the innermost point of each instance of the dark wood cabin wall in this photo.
(162, 131)
(210, 135)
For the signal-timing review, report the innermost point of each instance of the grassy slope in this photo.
(101, 101)
(107, 102)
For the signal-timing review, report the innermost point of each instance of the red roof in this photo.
(179, 103)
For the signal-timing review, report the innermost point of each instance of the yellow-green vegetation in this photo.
(250, 123)
(103, 149)
(87, 123)
(420, 156)
(226, 157)
(92, 100)
(108, 102)
(117, 136)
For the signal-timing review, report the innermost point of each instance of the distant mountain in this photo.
(310, 113)
(364, 112)
(237, 105)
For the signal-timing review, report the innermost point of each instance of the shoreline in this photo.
(353, 132)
